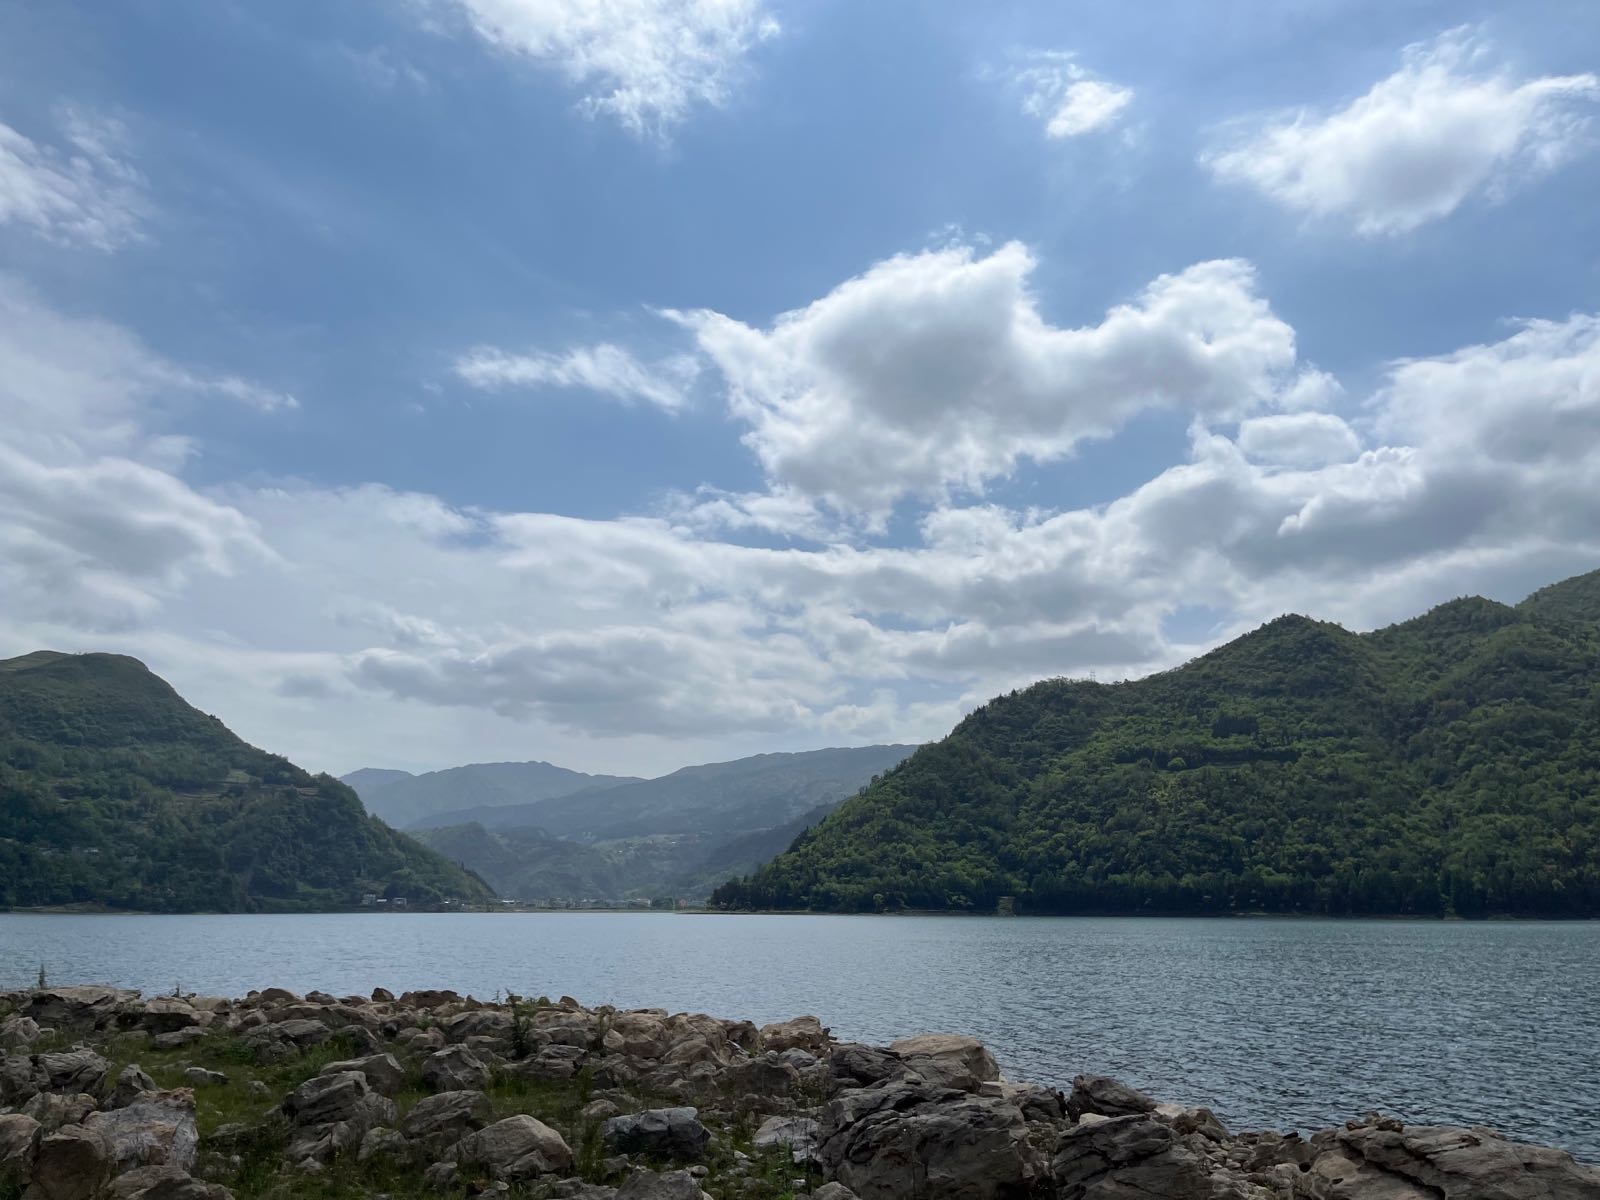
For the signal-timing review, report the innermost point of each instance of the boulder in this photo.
(19, 1142)
(767, 1075)
(515, 1149)
(1125, 1156)
(18, 1083)
(669, 1132)
(158, 1129)
(165, 1016)
(177, 1039)
(429, 998)
(552, 1063)
(18, 1033)
(1106, 1097)
(384, 1143)
(89, 1005)
(200, 1077)
(132, 1083)
(1448, 1163)
(642, 1034)
(384, 1073)
(670, 1185)
(447, 1117)
(907, 1141)
(164, 1183)
(804, 1033)
(78, 1070)
(455, 1069)
(52, 1111)
(834, 1191)
(74, 1164)
(855, 1065)
(948, 1060)
(796, 1134)
(326, 1099)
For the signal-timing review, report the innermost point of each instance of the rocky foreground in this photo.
(104, 1094)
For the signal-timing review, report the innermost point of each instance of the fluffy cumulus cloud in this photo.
(934, 373)
(345, 625)
(95, 528)
(78, 188)
(1067, 97)
(605, 369)
(1446, 126)
(647, 63)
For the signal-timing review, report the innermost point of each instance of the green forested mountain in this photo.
(1446, 765)
(114, 791)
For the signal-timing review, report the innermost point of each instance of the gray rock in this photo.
(670, 1132)
(156, 1130)
(804, 1033)
(1449, 1163)
(74, 1164)
(948, 1060)
(71, 1071)
(385, 1143)
(165, 1015)
(905, 1141)
(53, 1111)
(384, 1073)
(77, 1006)
(18, 1033)
(18, 1083)
(200, 1077)
(455, 1069)
(1106, 1097)
(515, 1149)
(797, 1134)
(670, 1185)
(164, 1183)
(177, 1039)
(19, 1142)
(855, 1065)
(447, 1117)
(1123, 1157)
(834, 1191)
(132, 1083)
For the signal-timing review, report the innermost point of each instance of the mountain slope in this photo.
(1449, 764)
(725, 799)
(404, 800)
(114, 791)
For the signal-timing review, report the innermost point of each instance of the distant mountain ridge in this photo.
(741, 796)
(1447, 765)
(403, 799)
(115, 792)
(678, 835)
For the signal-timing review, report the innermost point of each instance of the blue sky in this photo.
(652, 381)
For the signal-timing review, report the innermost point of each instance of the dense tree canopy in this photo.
(1446, 765)
(113, 791)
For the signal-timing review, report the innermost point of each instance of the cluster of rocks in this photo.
(926, 1117)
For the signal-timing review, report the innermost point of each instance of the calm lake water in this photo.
(1274, 1024)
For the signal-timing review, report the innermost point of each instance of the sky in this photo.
(635, 383)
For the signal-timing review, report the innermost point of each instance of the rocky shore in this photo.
(106, 1095)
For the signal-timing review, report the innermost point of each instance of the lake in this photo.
(1273, 1023)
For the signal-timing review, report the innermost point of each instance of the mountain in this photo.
(403, 799)
(1446, 765)
(113, 791)
(679, 835)
(728, 798)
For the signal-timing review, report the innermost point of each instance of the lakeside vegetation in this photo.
(1448, 765)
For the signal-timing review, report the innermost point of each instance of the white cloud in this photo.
(363, 624)
(1418, 144)
(937, 371)
(647, 63)
(81, 191)
(605, 368)
(1302, 439)
(1066, 97)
